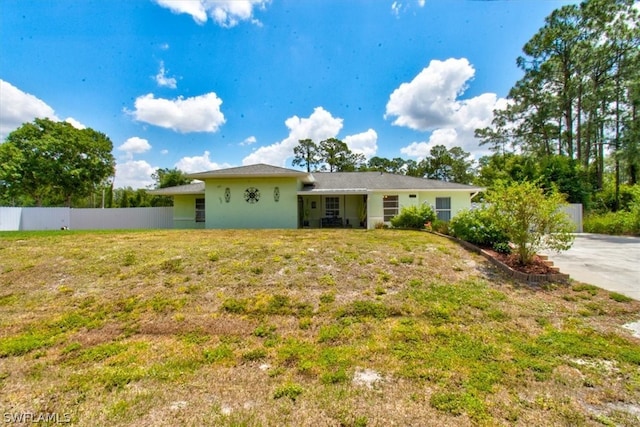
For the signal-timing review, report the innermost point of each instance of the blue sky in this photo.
(205, 84)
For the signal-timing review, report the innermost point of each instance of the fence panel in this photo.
(10, 219)
(123, 218)
(44, 219)
(574, 210)
(31, 219)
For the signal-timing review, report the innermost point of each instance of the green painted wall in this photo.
(266, 212)
(184, 212)
(459, 201)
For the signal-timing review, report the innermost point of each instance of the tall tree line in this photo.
(333, 155)
(579, 94)
(330, 154)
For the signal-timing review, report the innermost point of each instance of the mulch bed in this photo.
(540, 270)
(538, 266)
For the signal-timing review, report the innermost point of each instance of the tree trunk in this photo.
(616, 204)
(578, 118)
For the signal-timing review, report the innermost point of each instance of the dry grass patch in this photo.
(277, 327)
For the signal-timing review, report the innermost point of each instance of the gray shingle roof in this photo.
(363, 181)
(260, 169)
(322, 182)
(195, 188)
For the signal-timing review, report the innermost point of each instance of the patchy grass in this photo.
(276, 327)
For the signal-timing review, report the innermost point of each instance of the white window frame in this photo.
(332, 207)
(443, 213)
(390, 206)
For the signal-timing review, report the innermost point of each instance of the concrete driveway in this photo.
(609, 262)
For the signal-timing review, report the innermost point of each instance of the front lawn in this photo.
(301, 327)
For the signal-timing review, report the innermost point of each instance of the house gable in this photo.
(252, 202)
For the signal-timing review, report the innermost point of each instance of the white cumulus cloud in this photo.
(363, 143)
(430, 102)
(18, 107)
(197, 114)
(76, 124)
(199, 164)
(226, 13)
(420, 150)
(134, 145)
(318, 126)
(249, 141)
(134, 173)
(163, 80)
(195, 8)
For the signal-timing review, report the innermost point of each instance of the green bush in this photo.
(440, 226)
(531, 217)
(611, 223)
(478, 227)
(621, 222)
(624, 221)
(413, 217)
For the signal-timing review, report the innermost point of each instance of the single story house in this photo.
(265, 196)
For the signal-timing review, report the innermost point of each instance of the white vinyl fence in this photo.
(574, 211)
(29, 219)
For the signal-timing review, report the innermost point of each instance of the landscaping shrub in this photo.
(413, 217)
(440, 226)
(612, 223)
(478, 227)
(531, 217)
(621, 222)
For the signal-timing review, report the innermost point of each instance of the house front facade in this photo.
(264, 196)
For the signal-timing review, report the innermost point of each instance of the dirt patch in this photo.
(366, 377)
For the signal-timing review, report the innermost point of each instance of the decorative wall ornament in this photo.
(227, 194)
(276, 194)
(252, 195)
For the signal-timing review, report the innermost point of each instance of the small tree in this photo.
(306, 154)
(531, 220)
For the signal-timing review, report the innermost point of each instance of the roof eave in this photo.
(210, 175)
(174, 193)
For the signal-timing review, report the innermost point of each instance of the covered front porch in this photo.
(330, 210)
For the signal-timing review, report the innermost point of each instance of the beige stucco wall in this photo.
(459, 200)
(184, 212)
(238, 213)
